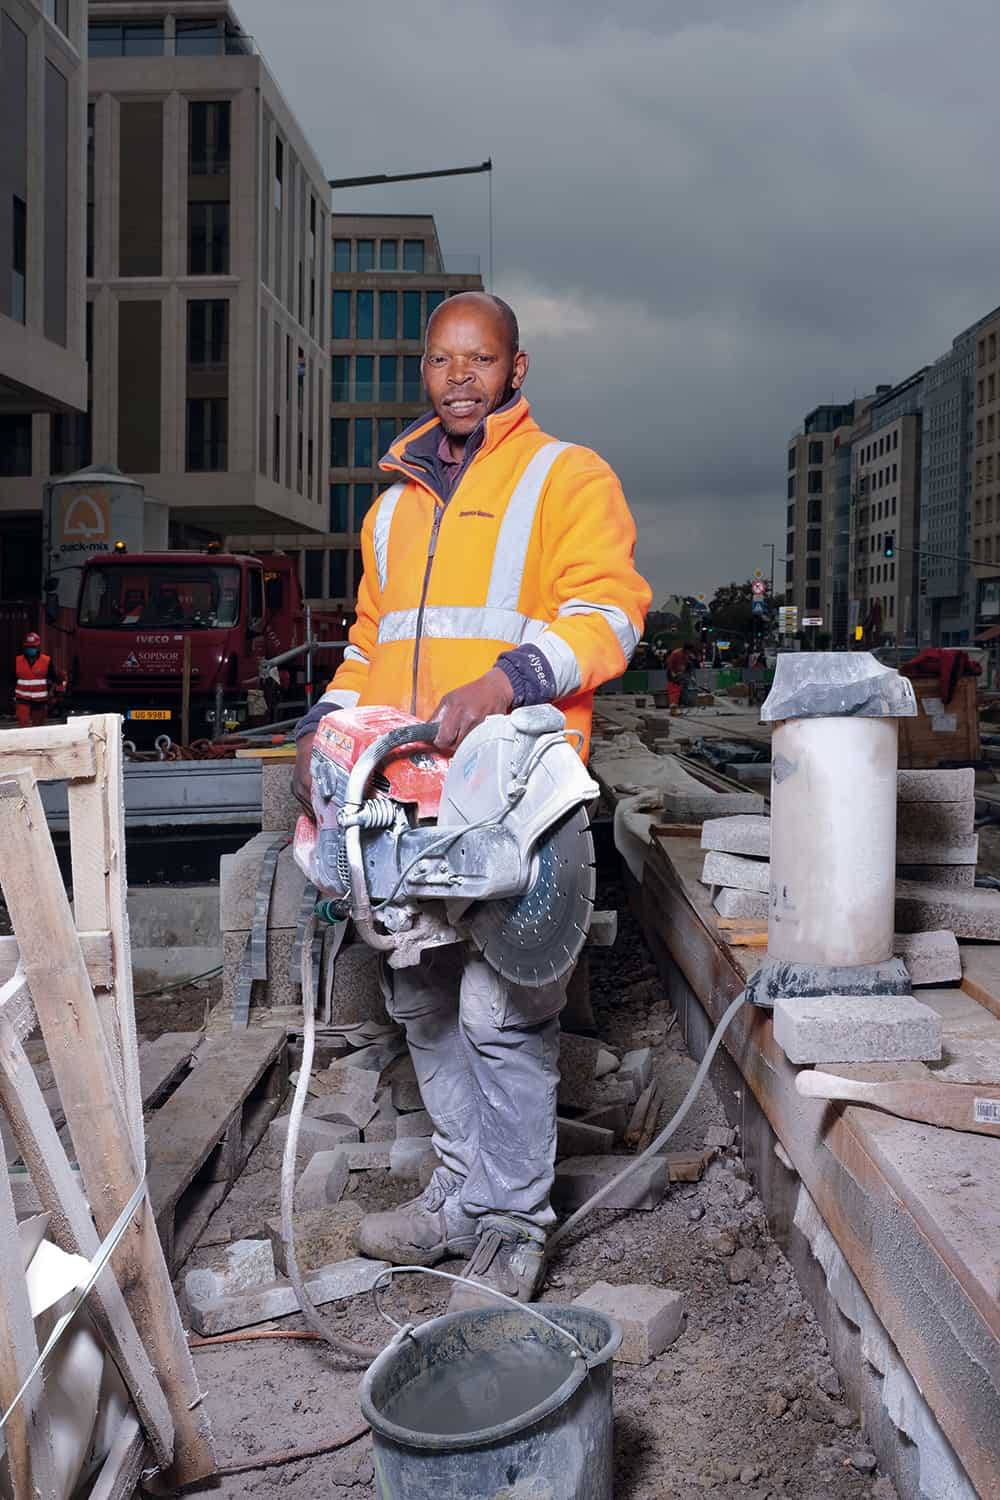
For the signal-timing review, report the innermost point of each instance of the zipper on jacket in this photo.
(431, 549)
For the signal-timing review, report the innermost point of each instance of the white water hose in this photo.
(362, 1352)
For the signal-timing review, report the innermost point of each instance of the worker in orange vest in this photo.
(37, 678)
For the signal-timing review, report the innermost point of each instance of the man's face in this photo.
(469, 368)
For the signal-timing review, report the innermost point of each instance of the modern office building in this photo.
(818, 495)
(947, 614)
(885, 517)
(389, 274)
(986, 473)
(43, 114)
(208, 280)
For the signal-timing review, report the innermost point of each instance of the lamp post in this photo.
(766, 546)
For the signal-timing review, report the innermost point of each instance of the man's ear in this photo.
(520, 370)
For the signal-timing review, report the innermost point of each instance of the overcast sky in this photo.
(710, 215)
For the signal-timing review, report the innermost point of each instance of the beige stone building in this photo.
(818, 495)
(208, 280)
(43, 105)
(885, 514)
(388, 275)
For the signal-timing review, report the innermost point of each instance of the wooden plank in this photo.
(981, 974)
(920, 1239)
(163, 1062)
(59, 752)
(29, 1449)
(88, 1086)
(96, 954)
(119, 1476)
(16, 1006)
(72, 1229)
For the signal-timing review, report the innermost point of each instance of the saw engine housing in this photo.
(491, 844)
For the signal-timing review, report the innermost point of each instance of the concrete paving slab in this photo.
(856, 1028)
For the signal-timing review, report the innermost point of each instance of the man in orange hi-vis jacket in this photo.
(498, 571)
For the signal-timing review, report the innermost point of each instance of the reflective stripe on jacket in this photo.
(32, 679)
(535, 544)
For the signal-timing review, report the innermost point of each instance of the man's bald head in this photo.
(472, 362)
(484, 301)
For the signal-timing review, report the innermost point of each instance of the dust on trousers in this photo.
(486, 1056)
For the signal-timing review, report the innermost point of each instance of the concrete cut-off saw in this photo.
(490, 845)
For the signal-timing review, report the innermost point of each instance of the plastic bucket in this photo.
(560, 1449)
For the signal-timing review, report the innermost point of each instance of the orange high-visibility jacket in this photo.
(535, 544)
(32, 679)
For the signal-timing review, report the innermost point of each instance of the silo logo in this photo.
(86, 517)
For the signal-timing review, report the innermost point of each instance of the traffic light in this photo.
(859, 632)
(889, 545)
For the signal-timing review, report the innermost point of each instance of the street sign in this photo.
(788, 619)
(722, 645)
(812, 619)
(758, 586)
(759, 607)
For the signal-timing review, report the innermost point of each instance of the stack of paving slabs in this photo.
(737, 867)
(936, 852)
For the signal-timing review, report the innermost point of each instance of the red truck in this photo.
(135, 613)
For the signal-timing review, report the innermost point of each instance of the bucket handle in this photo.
(384, 1279)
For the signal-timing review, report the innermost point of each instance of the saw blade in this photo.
(535, 938)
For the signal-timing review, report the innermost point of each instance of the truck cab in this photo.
(139, 616)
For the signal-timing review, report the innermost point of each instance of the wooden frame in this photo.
(70, 970)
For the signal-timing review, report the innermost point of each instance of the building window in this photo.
(362, 442)
(209, 38)
(791, 486)
(812, 567)
(814, 482)
(208, 138)
(341, 315)
(340, 378)
(366, 255)
(412, 383)
(57, 12)
(338, 573)
(814, 511)
(413, 255)
(125, 39)
(789, 570)
(366, 316)
(411, 315)
(791, 459)
(790, 516)
(69, 442)
(388, 367)
(208, 334)
(434, 300)
(388, 255)
(279, 172)
(790, 542)
(207, 434)
(208, 239)
(19, 261)
(812, 598)
(90, 189)
(338, 507)
(339, 434)
(341, 255)
(387, 307)
(312, 562)
(364, 378)
(363, 495)
(814, 539)
(815, 453)
(386, 434)
(15, 446)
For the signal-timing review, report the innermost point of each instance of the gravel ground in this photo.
(744, 1404)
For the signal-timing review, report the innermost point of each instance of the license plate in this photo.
(148, 713)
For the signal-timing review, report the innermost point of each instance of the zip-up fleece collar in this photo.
(414, 453)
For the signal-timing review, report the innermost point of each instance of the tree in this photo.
(731, 609)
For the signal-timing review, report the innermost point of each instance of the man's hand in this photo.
(461, 710)
(302, 775)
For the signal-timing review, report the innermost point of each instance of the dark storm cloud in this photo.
(711, 215)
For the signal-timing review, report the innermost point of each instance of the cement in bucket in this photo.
(518, 1416)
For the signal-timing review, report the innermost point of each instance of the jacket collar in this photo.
(414, 453)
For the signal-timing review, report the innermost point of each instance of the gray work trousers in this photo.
(486, 1055)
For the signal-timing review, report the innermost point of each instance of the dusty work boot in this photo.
(510, 1258)
(422, 1231)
